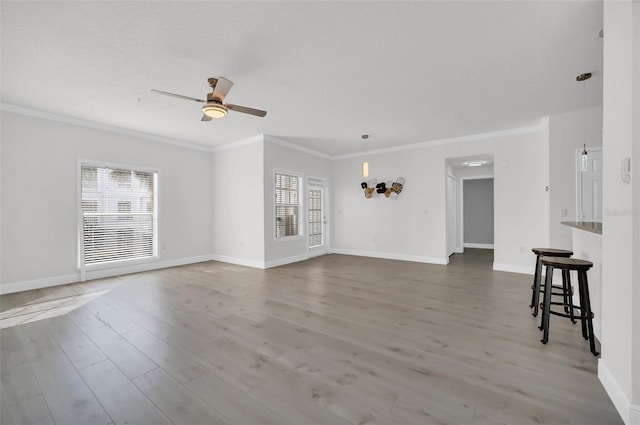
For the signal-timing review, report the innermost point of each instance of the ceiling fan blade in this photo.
(245, 110)
(205, 118)
(179, 96)
(221, 88)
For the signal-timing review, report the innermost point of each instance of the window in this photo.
(287, 205)
(119, 214)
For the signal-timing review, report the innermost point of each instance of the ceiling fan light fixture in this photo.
(214, 110)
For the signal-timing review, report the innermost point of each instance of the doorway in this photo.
(458, 171)
(478, 213)
(317, 223)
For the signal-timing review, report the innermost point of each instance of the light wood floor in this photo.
(333, 340)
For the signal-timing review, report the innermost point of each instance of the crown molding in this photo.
(543, 125)
(239, 143)
(21, 110)
(293, 146)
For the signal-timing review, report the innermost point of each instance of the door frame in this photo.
(323, 184)
(452, 214)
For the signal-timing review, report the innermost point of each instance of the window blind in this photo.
(287, 205)
(119, 214)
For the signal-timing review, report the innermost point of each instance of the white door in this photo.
(451, 214)
(316, 219)
(590, 186)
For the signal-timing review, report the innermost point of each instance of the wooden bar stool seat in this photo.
(586, 315)
(537, 286)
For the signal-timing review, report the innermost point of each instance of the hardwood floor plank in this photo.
(111, 317)
(21, 401)
(85, 319)
(179, 366)
(295, 409)
(236, 406)
(176, 401)
(124, 355)
(80, 350)
(68, 397)
(122, 400)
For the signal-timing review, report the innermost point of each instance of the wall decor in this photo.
(390, 189)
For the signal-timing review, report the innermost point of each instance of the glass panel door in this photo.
(316, 217)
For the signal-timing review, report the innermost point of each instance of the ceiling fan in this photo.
(213, 106)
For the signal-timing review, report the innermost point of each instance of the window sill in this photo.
(121, 263)
(289, 238)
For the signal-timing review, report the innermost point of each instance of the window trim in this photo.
(301, 207)
(83, 268)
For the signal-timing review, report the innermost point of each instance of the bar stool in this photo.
(537, 277)
(586, 315)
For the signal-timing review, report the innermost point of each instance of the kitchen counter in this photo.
(586, 238)
(589, 226)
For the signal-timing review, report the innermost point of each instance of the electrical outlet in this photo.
(563, 212)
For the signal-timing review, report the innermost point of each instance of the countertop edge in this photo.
(587, 226)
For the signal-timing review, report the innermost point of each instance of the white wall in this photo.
(237, 198)
(477, 197)
(620, 359)
(635, 281)
(567, 133)
(414, 227)
(40, 196)
(278, 155)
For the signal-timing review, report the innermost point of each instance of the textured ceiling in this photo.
(326, 72)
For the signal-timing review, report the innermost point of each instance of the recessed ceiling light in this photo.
(474, 163)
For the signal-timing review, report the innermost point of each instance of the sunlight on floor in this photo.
(38, 310)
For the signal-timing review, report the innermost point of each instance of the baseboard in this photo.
(459, 250)
(629, 413)
(478, 245)
(28, 285)
(317, 252)
(512, 268)
(240, 261)
(392, 256)
(47, 282)
(145, 267)
(286, 260)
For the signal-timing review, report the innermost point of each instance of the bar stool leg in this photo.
(535, 296)
(547, 304)
(582, 279)
(583, 315)
(568, 294)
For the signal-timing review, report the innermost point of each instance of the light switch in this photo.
(626, 170)
(563, 212)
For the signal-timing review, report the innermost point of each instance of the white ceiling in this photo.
(326, 72)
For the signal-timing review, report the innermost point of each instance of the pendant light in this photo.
(585, 158)
(365, 164)
(585, 154)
